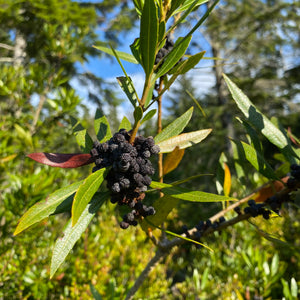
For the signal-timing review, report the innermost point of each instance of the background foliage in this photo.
(42, 44)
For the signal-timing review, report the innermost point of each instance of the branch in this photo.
(8, 47)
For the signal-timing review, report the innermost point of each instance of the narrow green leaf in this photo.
(125, 124)
(150, 93)
(95, 293)
(102, 127)
(149, 115)
(45, 208)
(256, 159)
(138, 114)
(183, 140)
(259, 120)
(85, 193)
(161, 31)
(182, 68)
(122, 55)
(175, 127)
(197, 103)
(83, 139)
(274, 265)
(173, 57)
(136, 50)
(127, 86)
(148, 35)
(71, 234)
(221, 173)
(286, 290)
(188, 195)
(187, 4)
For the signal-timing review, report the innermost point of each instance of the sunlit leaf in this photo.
(122, 55)
(45, 208)
(175, 127)
(255, 159)
(83, 139)
(148, 116)
(227, 180)
(148, 35)
(85, 193)
(172, 160)
(259, 120)
(62, 160)
(173, 57)
(102, 127)
(125, 124)
(183, 140)
(24, 135)
(127, 86)
(188, 195)
(71, 234)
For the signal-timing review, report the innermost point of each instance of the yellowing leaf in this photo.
(172, 160)
(227, 180)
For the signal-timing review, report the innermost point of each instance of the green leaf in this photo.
(95, 293)
(173, 57)
(148, 35)
(122, 55)
(256, 159)
(125, 124)
(136, 50)
(85, 193)
(181, 68)
(127, 86)
(274, 264)
(71, 233)
(83, 139)
(175, 127)
(259, 120)
(45, 208)
(188, 195)
(183, 140)
(24, 135)
(187, 4)
(102, 127)
(163, 206)
(150, 93)
(149, 115)
(161, 31)
(138, 114)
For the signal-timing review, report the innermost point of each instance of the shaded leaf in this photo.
(255, 159)
(172, 160)
(122, 55)
(125, 124)
(45, 208)
(83, 139)
(95, 293)
(85, 193)
(149, 115)
(259, 120)
(183, 140)
(220, 173)
(188, 195)
(175, 127)
(173, 57)
(127, 86)
(148, 35)
(163, 206)
(71, 233)
(62, 160)
(102, 127)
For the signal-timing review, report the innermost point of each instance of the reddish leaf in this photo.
(62, 160)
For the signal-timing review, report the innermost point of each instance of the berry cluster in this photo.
(256, 209)
(295, 171)
(130, 171)
(162, 52)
